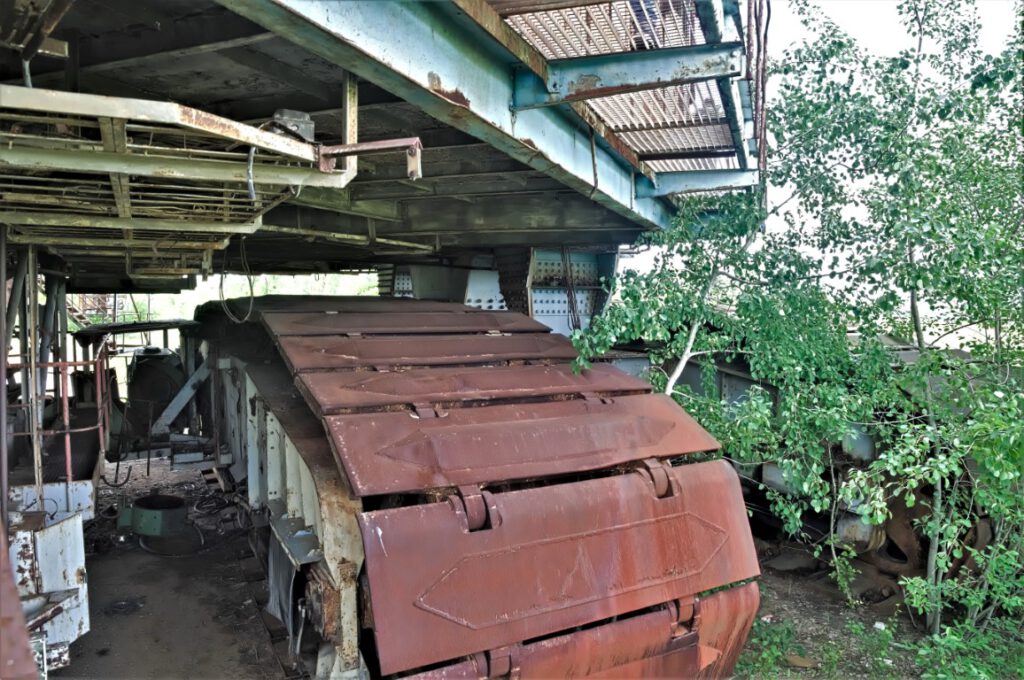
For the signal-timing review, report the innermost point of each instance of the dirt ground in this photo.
(806, 629)
(171, 617)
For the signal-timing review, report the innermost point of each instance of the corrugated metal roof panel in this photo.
(682, 118)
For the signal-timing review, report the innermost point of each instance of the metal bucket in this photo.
(157, 515)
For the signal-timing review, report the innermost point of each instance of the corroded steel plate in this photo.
(320, 353)
(558, 557)
(399, 452)
(398, 323)
(334, 391)
(611, 650)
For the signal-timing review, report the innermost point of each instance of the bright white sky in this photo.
(876, 25)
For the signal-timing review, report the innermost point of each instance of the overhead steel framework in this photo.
(541, 123)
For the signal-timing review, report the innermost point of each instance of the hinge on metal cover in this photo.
(685, 614)
(503, 662)
(479, 508)
(426, 410)
(659, 473)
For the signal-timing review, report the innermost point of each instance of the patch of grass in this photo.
(766, 650)
(994, 652)
(874, 646)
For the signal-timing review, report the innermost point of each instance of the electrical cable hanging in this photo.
(248, 276)
(570, 290)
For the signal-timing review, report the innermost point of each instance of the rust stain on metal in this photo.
(333, 352)
(454, 96)
(409, 323)
(544, 501)
(330, 393)
(15, 651)
(483, 14)
(396, 452)
(619, 549)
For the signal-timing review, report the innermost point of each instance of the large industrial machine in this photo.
(437, 491)
(441, 495)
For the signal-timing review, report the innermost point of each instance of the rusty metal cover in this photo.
(336, 391)
(556, 558)
(403, 323)
(627, 647)
(404, 451)
(356, 303)
(330, 352)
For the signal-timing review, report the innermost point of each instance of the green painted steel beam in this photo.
(698, 180)
(436, 57)
(607, 74)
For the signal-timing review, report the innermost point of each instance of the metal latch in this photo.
(479, 507)
(659, 473)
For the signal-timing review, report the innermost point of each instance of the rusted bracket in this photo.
(327, 156)
(478, 506)
(659, 473)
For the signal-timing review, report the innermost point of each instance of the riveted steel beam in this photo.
(438, 58)
(601, 75)
(698, 180)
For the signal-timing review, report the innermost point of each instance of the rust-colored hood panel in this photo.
(333, 351)
(565, 544)
(409, 323)
(563, 556)
(405, 451)
(337, 391)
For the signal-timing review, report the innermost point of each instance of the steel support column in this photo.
(435, 57)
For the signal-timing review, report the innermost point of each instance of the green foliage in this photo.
(875, 645)
(765, 653)
(965, 652)
(903, 179)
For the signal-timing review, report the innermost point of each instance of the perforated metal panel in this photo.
(483, 290)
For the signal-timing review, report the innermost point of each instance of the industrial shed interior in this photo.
(423, 484)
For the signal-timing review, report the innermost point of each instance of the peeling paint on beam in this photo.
(607, 74)
(420, 52)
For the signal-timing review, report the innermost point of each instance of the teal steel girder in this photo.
(458, 74)
(606, 74)
(697, 180)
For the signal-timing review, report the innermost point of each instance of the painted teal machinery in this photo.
(154, 515)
